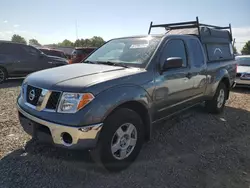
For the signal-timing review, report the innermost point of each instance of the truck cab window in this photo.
(175, 48)
(197, 53)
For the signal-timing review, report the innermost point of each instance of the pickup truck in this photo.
(109, 103)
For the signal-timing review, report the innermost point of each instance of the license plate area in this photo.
(28, 125)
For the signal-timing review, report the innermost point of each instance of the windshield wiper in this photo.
(91, 62)
(112, 63)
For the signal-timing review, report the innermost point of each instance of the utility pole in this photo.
(76, 30)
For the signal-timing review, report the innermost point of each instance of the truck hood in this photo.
(243, 69)
(80, 75)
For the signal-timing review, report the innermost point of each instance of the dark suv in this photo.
(17, 60)
(80, 53)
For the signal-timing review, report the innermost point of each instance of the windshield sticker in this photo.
(139, 46)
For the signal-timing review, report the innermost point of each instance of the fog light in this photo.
(67, 138)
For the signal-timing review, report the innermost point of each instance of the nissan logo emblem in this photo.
(32, 95)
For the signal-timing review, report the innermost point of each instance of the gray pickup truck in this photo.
(109, 103)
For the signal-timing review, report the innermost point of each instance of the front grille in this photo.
(53, 100)
(33, 95)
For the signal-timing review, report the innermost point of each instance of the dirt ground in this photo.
(194, 149)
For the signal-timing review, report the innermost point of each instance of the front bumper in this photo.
(81, 137)
(242, 82)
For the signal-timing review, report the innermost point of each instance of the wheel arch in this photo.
(141, 110)
(6, 72)
(2, 67)
(225, 80)
(221, 76)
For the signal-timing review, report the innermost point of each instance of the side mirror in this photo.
(41, 55)
(172, 62)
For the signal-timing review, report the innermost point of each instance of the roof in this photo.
(6, 41)
(141, 36)
(79, 48)
(66, 50)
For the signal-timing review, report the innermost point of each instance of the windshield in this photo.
(134, 52)
(243, 61)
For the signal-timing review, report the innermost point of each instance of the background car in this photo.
(53, 52)
(80, 53)
(243, 70)
(18, 60)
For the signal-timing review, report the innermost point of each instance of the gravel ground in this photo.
(200, 150)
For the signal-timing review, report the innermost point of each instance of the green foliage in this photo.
(66, 43)
(246, 49)
(92, 42)
(18, 39)
(97, 41)
(34, 42)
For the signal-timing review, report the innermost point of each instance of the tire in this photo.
(3, 75)
(217, 104)
(123, 146)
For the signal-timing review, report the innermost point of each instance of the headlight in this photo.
(23, 88)
(72, 102)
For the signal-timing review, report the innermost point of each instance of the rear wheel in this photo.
(217, 104)
(3, 75)
(120, 141)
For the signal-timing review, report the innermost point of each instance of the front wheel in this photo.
(217, 104)
(120, 141)
(3, 75)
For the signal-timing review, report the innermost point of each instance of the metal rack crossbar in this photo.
(190, 24)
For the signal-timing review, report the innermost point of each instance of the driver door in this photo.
(174, 87)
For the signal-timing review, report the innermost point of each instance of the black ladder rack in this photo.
(190, 24)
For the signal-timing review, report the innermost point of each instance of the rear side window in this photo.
(10, 49)
(76, 52)
(197, 53)
(89, 50)
(6, 48)
(219, 51)
(175, 48)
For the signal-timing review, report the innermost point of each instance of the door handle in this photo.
(189, 75)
